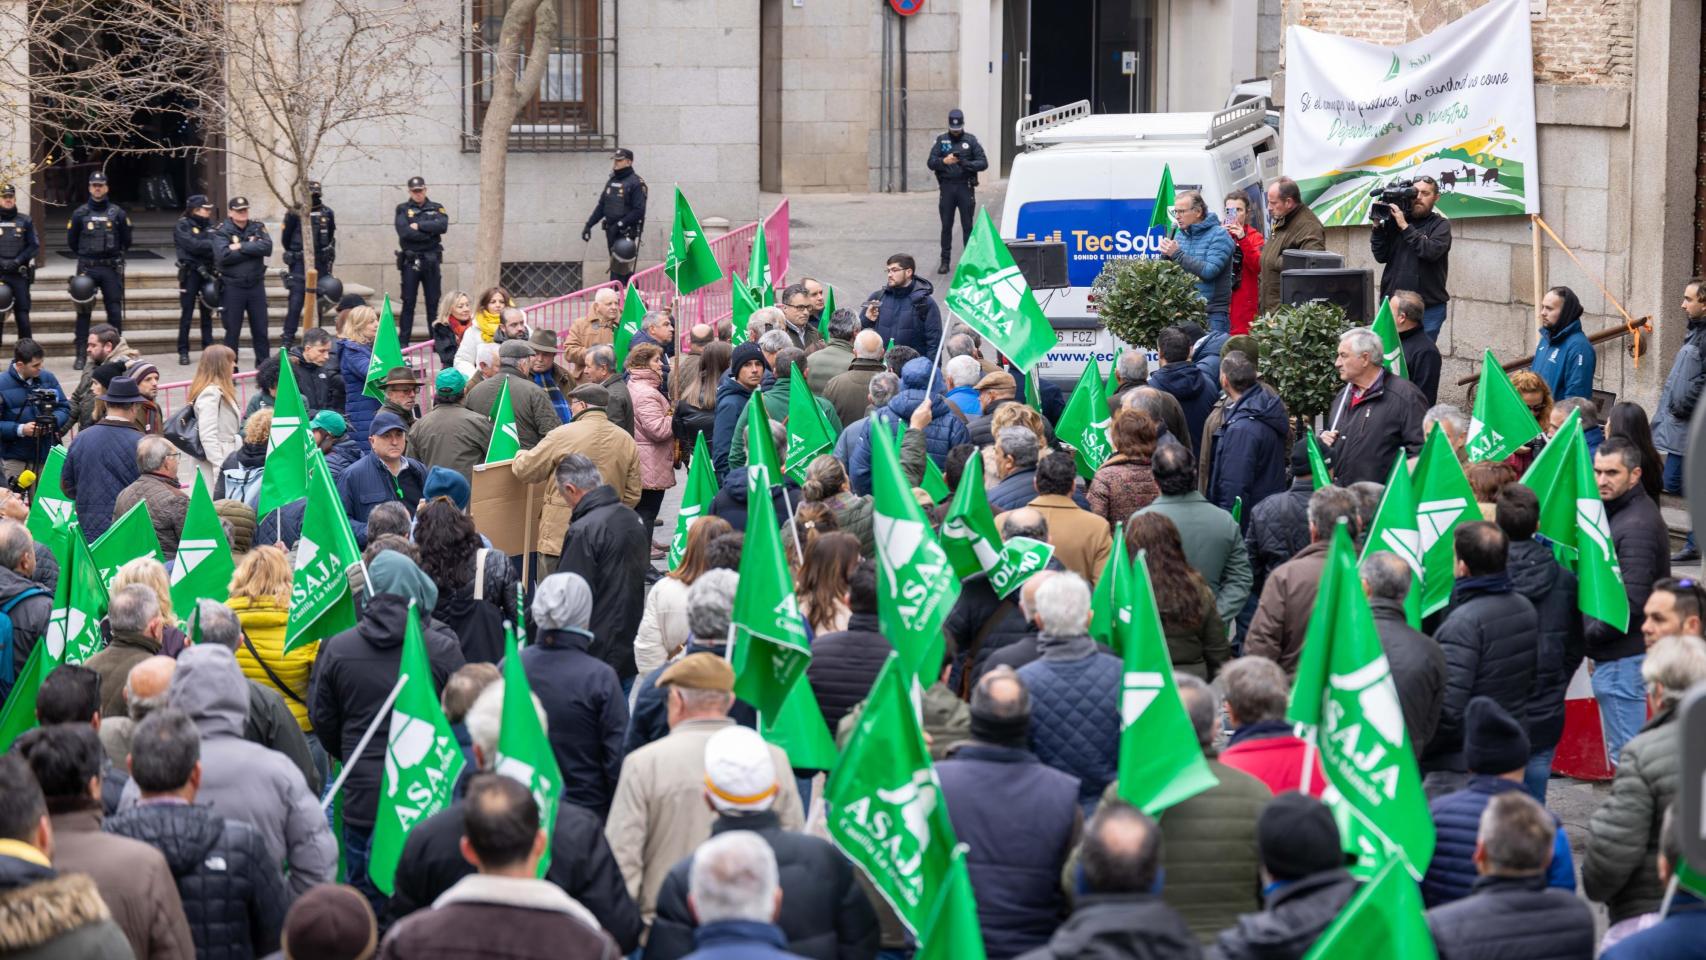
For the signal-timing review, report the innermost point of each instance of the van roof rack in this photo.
(1074, 123)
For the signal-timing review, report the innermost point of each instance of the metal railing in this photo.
(711, 304)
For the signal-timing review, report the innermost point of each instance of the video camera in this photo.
(1398, 193)
(43, 401)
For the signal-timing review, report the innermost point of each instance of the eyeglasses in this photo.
(796, 306)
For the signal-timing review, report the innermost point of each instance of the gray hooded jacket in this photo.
(245, 781)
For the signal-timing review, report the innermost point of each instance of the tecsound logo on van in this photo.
(1094, 231)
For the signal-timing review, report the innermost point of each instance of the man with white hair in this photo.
(1075, 691)
(824, 912)
(849, 392)
(1453, 421)
(581, 862)
(1373, 417)
(597, 327)
(134, 618)
(710, 600)
(762, 321)
(157, 485)
(737, 895)
(963, 373)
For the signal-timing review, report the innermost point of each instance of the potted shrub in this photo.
(1136, 297)
(1299, 344)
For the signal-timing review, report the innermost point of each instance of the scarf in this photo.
(488, 324)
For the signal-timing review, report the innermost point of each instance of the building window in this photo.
(530, 279)
(574, 108)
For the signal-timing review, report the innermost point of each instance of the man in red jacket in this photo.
(1263, 744)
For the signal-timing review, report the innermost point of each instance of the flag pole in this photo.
(936, 364)
(383, 712)
(1308, 762)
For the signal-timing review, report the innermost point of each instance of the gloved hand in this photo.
(586, 235)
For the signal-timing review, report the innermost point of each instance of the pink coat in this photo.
(653, 432)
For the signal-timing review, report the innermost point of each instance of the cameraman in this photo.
(1415, 246)
(34, 412)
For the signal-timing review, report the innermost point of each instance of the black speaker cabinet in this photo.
(1352, 290)
(1043, 262)
(1310, 260)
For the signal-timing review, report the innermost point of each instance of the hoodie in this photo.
(391, 572)
(1249, 458)
(1564, 358)
(246, 781)
(947, 428)
(1196, 392)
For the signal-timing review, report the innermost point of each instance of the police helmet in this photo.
(82, 289)
(625, 249)
(5, 298)
(330, 289)
(210, 295)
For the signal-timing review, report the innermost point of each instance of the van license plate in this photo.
(1076, 338)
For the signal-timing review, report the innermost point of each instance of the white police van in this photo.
(1089, 181)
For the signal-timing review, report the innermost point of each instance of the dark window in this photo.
(540, 278)
(574, 108)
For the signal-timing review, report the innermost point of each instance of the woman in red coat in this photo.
(1249, 240)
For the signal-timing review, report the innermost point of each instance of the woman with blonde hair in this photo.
(151, 573)
(260, 596)
(663, 624)
(239, 476)
(455, 316)
(213, 390)
(361, 325)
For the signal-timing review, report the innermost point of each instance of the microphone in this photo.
(26, 480)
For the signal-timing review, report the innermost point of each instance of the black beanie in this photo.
(1296, 837)
(1493, 742)
(1300, 458)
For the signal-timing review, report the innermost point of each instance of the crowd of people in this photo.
(173, 799)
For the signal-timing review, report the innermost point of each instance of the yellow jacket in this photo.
(263, 622)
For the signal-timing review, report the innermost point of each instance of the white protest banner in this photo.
(1456, 105)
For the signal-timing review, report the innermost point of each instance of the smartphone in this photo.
(1230, 216)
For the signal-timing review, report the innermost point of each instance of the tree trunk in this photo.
(509, 93)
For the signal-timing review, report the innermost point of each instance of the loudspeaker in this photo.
(1353, 290)
(1310, 260)
(1043, 262)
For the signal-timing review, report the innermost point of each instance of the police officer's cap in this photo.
(197, 201)
(97, 178)
(238, 203)
(313, 186)
(623, 153)
(8, 191)
(956, 119)
(417, 183)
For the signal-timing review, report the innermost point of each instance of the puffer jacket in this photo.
(343, 453)
(359, 409)
(1513, 918)
(825, 914)
(239, 520)
(167, 507)
(263, 621)
(913, 449)
(1642, 541)
(1120, 927)
(1249, 458)
(233, 894)
(1491, 637)
(653, 431)
(132, 876)
(48, 916)
(844, 664)
(1075, 720)
(1681, 393)
(946, 430)
(1457, 824)
(1564, 358)
(1123, 486)
(731, 407)
(1536, 574)
(982, 623)
(907, 316)
(1196, 392)
(1205, 251)
(100, 462)
(1278, 529)
(1619, 867)
(1293, 919)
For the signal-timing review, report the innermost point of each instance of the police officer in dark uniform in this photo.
(18, 248)
(99, 235)
(421, 224)
(324, 227)
(192, 238)
(622, 209)
(957, 158)
(241, 247)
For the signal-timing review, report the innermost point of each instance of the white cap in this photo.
(739, 774)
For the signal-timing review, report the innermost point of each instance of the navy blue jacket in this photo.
(946, 430)
(359, 408)
(1536, 574)
(731, 404)
(1075, 723)
(1679, 936)
(100, 463)
(1196, 392)
(246, 265)
(586, 715)
(1515, 918)
(731, 501)
(1250, 447)
(367, 483)
(1457, 822)
(192, 240)
(15, 395)
(1015, 873)
(908, 316)
(740, 940)
(421, 227)
(1565, 360)
(1049, 394)
(1014, 491)
(650, 720)
(1491, 636)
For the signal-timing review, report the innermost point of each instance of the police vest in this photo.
(100, 234)
(13, 236)
(322, 234)
(616, 199)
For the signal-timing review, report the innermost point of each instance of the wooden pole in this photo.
(310, 300)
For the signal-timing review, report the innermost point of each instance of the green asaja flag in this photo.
(524, 752)
(1161, 763)
(422, 759)
(916, 584)
(800, 730)
(203, 566)
(1444, 500)
(828, 310)
(696, 498)
(1573, 517)
(285, 475)
(770, 649)
(1385, 918)
(993, 298)
(1395, 530)
(505, 442)
(1501, 423)
(689, 261)
(1385, 326)
(952, 932)
(758, 270)
(808, 431)
(1162, 214)
(1033, 393)
(130, 536)
(1318, 474)
(79, 603)
(934, 483)
(743, 306)
(969, 537)
(1110, 595)
(320, 600)
(1084, 422)
(19, 714)
(1345, 693)
(387, 353)
(1020, 559)
(633, 311)
(884, 805)
(51, 511)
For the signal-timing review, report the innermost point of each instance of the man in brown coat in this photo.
(534, 414)
(597, 327)
(1282, 615)
(1081, 539)
(1296, 227)
(134, 617)
(590, 433)
(157, 485)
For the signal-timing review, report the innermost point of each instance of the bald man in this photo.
(596, 328)
(145, 687)
(699, 336)
(848, 392)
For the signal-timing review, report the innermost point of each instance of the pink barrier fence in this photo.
(706, 305)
